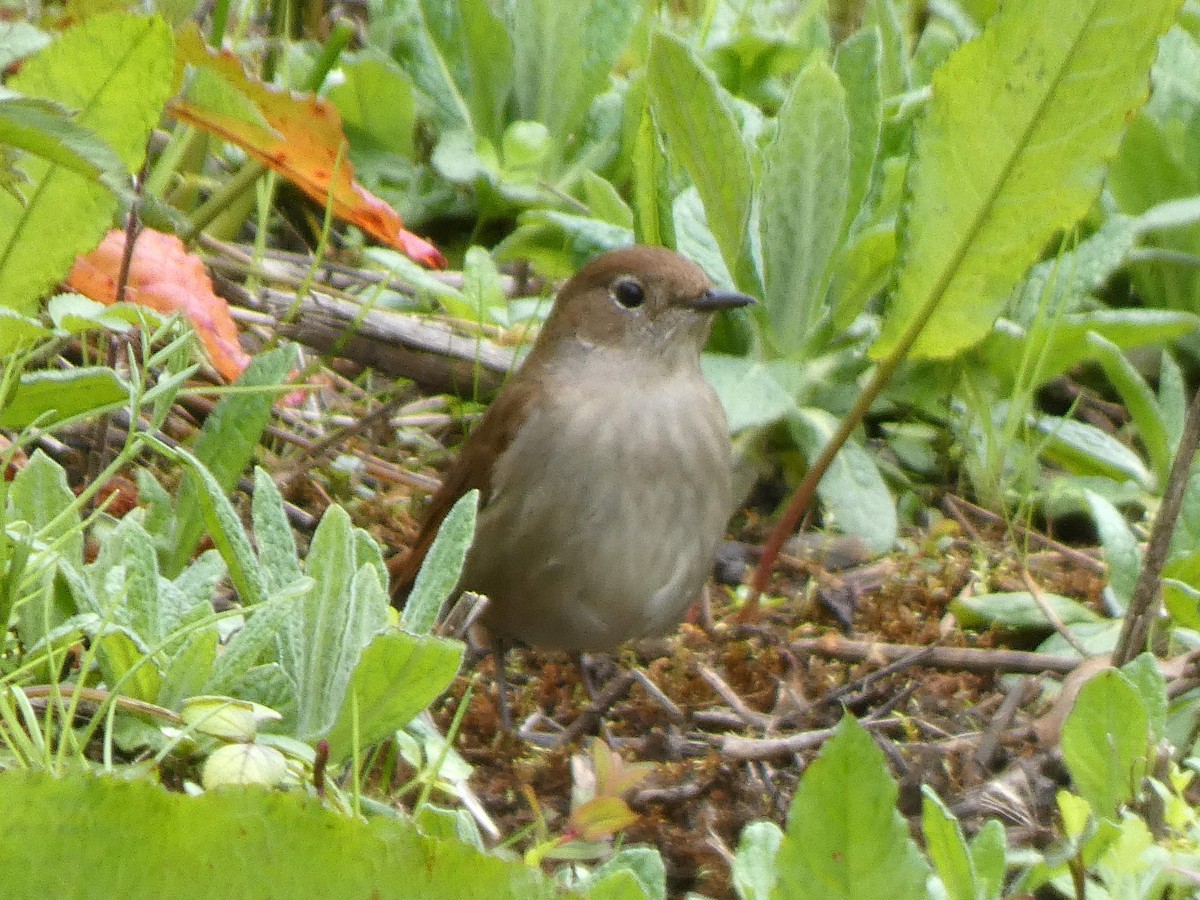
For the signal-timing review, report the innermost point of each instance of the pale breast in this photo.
(605, 515)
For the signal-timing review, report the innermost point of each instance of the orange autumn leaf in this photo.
(166, 278)
(298, 135)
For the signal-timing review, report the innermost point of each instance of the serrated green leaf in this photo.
(442, 566)
(1104, 742)
(844, 837)
(1059, 83)
(805, 183)
(116, 69)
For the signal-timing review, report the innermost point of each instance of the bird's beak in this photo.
(714, 300)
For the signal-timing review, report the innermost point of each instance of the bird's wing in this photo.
(472, 469)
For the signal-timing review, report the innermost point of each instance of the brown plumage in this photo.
(603, 466)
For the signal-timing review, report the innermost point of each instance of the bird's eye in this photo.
(629, 293)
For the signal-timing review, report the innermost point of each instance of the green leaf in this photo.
(1058, 82)
(18, 332)
(651, 185)
(805, 183)
(398, 675)
(217, 516)
(298, 848)
(278, 562)
(442, 566)
(947, 848)
(1144, 673)
(1104, 742)
(376, 103)
(488, 54)
(48, 396)
(1172, 398)
(563, 56)
(424, 42)
(1017, 613)
(41, 496)
(1061, 284)
(1121, 551)
(249, 643)
(845, 838)
(1086, 450)
(989, 853)
(1140, 401)
(227, 442)
(748, 390)
(320, 645)
(126, 664)
(695, 240)
(857, 64)
(76, 314)
(47, 130)
(854, 497)
(644, 865)
(753, 870)
(702, 134)
(1060, 343)
(117, 70)
(604, 201)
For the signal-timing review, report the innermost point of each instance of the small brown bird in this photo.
(603, 465)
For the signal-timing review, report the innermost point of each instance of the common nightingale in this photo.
(603, 465)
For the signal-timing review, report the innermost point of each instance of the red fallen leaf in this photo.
(164, 277)
(299, 136)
